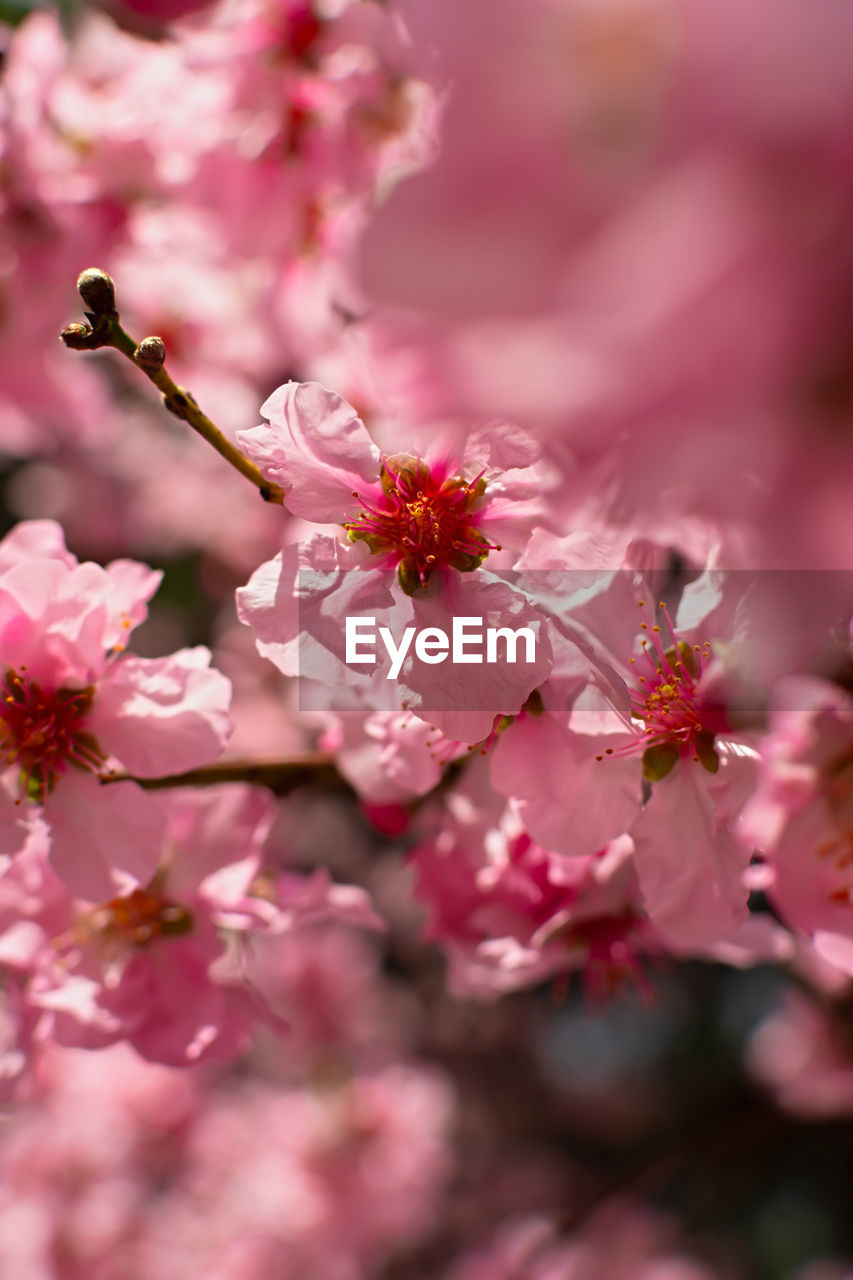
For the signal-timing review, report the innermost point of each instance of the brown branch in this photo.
(280, 776)
(102, 329)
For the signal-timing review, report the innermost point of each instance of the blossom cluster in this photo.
(547, 331)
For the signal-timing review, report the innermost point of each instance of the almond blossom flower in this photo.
(168, 965)
(653, 714)
(75, 706)
(327, 1181)
(801, 813)
(511, 914)
(419, 516)
(390, 756)
(151, 965)
(420, 519)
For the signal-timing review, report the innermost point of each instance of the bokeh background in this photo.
(622, 223)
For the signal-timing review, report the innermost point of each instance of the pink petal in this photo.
(162, 715)
(316, 447)
(569, 801)
(689, 866)
(35, 540)
(462, 699)
(98, 830)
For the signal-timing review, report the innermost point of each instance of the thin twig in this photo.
(102, 329)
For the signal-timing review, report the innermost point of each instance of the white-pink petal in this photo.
(160, 716)
(316, 447)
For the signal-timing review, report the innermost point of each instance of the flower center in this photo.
(667, 700)
(133, 920)
(43, 731)
(138, 917)
(423, 519)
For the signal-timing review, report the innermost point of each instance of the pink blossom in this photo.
(510, 913)
(390, 756)
(416, 517)
(800, 815)
(149, 965)
(76, 706)
(291, 1182)
(653, 712)
(799, 1053)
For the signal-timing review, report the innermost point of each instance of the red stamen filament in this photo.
(43, 731)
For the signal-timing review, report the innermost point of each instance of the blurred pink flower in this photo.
(801, 813)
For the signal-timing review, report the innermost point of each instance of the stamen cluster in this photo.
(668, 702)
(43, 731)
(134, 920)
(422, 519)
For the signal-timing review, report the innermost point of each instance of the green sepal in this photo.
(659, 760)
(401, 468)
(682, 653)
(534, 705)
(466, 561)
(37, 788)
(703, 745)
(375, 543)
(176, 921)
(409, 578)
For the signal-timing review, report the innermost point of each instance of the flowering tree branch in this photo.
(280, 776)
(102, 329)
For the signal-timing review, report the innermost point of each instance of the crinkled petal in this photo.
(689, 866)
(133, 584)
(35, 540)
(316, 447)
(215, 836)
(162, 715)
(297, 605)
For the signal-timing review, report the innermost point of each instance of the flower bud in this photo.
(150, 354)
(77, 337)
(97, 291)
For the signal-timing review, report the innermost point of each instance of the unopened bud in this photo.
(150, 354)
(97, 291)
(77, 337)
